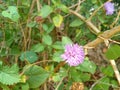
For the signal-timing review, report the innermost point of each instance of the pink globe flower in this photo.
(109, 7)
(73, 55)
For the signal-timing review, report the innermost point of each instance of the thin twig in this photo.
(94, 13)
(100, 82)
(107, 34)
(95, 30)
(36, 63)
(24, 37)
(78, 6)
(114, 41)
(93, 85)
(117, 74)
(59, 83)
(116, 20)
(28, 30)
(38, 5)
(109, 40)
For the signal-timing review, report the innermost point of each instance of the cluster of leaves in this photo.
(31, 35)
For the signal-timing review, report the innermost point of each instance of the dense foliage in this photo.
(34, 35)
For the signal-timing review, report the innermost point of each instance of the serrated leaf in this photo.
(66, 40)
(47, 39)
(76, 23)
(45, 11)
(37, 47)
(57, 20)
(30, 56)
(113, 52)
(87, 66)
(9, 75)
(36, 76)
(11, 13)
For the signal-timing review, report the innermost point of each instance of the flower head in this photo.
(109, 7)
(74, 54)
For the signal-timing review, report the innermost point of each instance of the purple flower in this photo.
(109, 7)
(74, 54)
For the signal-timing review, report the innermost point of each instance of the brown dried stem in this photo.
(117, 74)
(94, 29)
(116, 20)
(107, 35)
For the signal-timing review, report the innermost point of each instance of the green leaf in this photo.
(113, 52)
(25, 3)
(30, 56)
(101, 18)
(15, 51)
(57, 20)
(36, 75)
(57, 56)
(57, 45)
(76, 23)
(45, 27)
(47, 39)
(66, 40)
(9, 75)
(63, 8)
(74, 75)
(108, 71)
(103, 84)
(31, 24)
(11, 13)
(87, 66)
(51, 27)
(114, 83)
(94, 1)
(37, 47)
(45, 11)
(57, 76)
(85, 77)
(48, 28)
(23, 86)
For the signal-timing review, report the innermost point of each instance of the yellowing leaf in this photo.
(57, 20)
